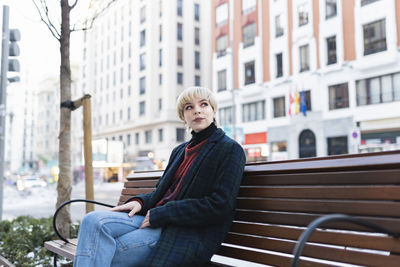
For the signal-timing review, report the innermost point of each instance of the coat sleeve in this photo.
(213, 208)
(144, 198)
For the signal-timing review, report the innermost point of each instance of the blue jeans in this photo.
(108, 238)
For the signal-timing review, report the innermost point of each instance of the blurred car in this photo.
(30, 181)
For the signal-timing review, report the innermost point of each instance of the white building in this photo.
(138, 57)
(340, 57)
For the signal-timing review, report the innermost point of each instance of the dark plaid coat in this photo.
(195, 224)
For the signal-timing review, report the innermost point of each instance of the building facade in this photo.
(137, 59)
(309, 77)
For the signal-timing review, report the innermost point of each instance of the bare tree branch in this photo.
(73, 5)
(48, 23)
(98, 14)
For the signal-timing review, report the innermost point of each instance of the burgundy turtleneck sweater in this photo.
(191, 152)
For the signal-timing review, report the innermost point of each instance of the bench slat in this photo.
(314, 251)
(346, 239)
(381, 192)
(61, 248)
(370, 208)
(264, 257)
(145, 183)
(135, 191)
(301, 219)
(324, 178)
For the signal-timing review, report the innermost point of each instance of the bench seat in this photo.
(277, 200)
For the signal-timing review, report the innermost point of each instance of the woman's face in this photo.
(198, 114)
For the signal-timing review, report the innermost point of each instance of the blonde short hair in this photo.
(192, 92)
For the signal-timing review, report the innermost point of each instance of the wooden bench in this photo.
(277, 200)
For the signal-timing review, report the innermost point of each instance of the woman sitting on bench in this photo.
(185, 219)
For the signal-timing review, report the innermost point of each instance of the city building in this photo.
(307, 78)
(137, 59)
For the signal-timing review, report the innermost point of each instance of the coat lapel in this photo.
(169, 174)
(199, 159)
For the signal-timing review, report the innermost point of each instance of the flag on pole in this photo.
(303, 104)
(291, 100)
(297, 102)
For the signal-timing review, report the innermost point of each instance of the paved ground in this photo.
(40, 202)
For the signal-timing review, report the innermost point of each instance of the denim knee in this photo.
(93, 218)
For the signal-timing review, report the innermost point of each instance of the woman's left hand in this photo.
(146, 221)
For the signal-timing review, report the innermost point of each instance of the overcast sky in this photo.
(40, 55)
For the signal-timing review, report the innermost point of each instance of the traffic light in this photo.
(13, 50)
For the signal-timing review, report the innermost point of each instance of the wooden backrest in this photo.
(277, 200)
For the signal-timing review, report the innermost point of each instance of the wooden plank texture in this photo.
(366, 208)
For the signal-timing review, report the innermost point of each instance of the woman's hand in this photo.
(133, 207)
(146, 221)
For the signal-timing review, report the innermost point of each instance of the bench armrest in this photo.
(298, 249)
(67, 203)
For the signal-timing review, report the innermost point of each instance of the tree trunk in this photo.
(64, 182)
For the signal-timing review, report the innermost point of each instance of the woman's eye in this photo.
(204, 104)
(188, 107)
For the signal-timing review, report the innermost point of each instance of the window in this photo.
(179, 78)
(225, 116)
(160, 33)
(180, 56)
(304, 58)
(180, 135)
(159, 104)
(278, 26)
(279, 107)
(196, 36)
(337, 145)
(253, 111)
(197, 60)
(128, 114)
(338, 96)
(196, 12)
(129, 71)
(136, 138)
(143, 38)
(142, 61)
(128, 139)
(331, 49)
(160, 57)
(143, 14)
(222, 45)
(179, 7)
(303, 14)
(279, 65)
(221, 84)
(129, 90)
(221, 14)
(248, 6)
(179, 32)
(160, 135)
(121, 114)
(249, 34)
(160, 79)
(374, 37)
(142, 108)
(197, 80)
(142, 85)
(160, 10)
(330, 9)
(148, 136)
(249, 73)
(366, 2)
(378, 89)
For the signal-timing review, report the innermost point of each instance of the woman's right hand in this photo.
(133, 207)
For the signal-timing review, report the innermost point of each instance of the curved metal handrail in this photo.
(69, 202)
(298, 249)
